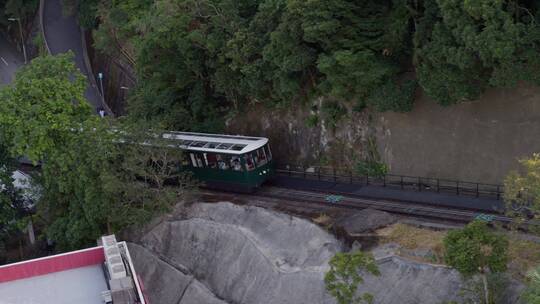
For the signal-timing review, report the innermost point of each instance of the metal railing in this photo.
(403, 182)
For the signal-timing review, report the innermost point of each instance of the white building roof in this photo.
(73, 277)
(80, 285)
(216, 143)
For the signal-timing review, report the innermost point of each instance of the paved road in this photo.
(10, 61)
(64, 34)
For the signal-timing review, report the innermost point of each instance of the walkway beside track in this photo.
(62, 34)
(378, 192)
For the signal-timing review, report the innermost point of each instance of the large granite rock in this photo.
(363, 221)
(237, 254)
(166, 284)
(224, 253)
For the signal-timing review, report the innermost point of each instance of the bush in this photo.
(371, 168)
(332, 112)
(475, 248)
(342, 279)
(312, 120)
(532, 293)
(393, 97)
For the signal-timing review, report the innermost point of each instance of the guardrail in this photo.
(404, 182)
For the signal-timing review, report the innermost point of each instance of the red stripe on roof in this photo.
(55, 263)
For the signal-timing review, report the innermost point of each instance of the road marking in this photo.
(5, 62)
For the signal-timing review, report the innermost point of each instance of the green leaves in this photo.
(532, 292)
(200, 61)
(90, 183)
(43, 105)
(476, 249)
(343, 278)
(474, 45)
(522, 189)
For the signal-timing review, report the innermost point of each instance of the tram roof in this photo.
(217, 143)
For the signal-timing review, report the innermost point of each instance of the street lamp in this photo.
(22, 37)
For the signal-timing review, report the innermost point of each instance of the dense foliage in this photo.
(17, 9)
(13, 206)
(343, 278)
(522, 190)
(94, 180)
(475, 249)
(532, 292)
(199, 60)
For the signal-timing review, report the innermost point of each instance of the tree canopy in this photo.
(198, 60)
(343, 278)
(475, 249)
(522, 189)
(93, 182)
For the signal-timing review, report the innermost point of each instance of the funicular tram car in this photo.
(229, 162)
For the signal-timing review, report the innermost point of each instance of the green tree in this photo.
(476, 250)
(199, 61)
(532, 292)
(522, 190)
(43, 105)
(13, 206)
(343, 278)
(17, 9)
(102, 181)
(92, 181)
(463, 47)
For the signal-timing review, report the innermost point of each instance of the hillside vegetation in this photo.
(199, 60)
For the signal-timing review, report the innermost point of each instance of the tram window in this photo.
(224, 146)
(238, 147)
(196, 160)
(211, 145)
(193, 160)
(268, 153)
(261, 156)
(197, 144)
(236, 164)
(250, 164)
(211, 160)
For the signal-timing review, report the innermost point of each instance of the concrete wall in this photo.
(477, 141)
(474, 141)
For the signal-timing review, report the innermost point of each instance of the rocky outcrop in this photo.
(227, 253)
(223, 253)
(166, 284)
(366, 220)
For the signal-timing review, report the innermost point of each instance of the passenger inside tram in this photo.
(249, 162)
(221, 163)
(211, 160)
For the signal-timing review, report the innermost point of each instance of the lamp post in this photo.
(22, 37)
(100, 77)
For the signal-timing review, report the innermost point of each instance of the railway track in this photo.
(404, 208)
(317, 201)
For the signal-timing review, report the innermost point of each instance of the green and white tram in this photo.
(229, 162)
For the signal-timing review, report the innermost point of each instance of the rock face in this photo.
(366, 220)
(223, 253)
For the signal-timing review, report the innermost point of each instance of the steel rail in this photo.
(448, 214)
